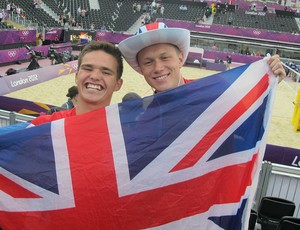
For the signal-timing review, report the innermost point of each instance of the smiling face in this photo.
(96, 79)
(160, 64)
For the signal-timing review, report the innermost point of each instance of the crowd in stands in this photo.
(155, 9)
(149, 11)
(148, 7)
(14, 9)
(67, 20)
(37, 3)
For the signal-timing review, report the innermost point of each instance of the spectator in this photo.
(253, 7)
(214, 46)
(230, 20)
(292, 74)
(158, 53)
(83, 12)
(145, 8)
(40, 39)
(70, 104)
(18, 11)
(247, 51)
(103, 27)
(78, 25)
(162, 10)
(138, 7)
(92, 26)
(228, 61)
(72, 98)
(72, 22)
(183, 7)
(134, 7)
(64, 19)
(8, 7)
(130, 96)
(100, 67)
(61, 20)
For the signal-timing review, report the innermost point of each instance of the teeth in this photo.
(161, 77)
(92, 86)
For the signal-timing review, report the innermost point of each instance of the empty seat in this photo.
(272, 209)
(252, 220)
(289, 223)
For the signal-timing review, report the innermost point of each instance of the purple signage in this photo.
(211, 54)
(234, 31)
(282, 155)
(115, 38)
(53, 34)
(19, 54)
(17, 36)
(26, 79)
(240, 58)
(23, 106)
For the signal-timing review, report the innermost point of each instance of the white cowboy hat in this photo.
(151, 34)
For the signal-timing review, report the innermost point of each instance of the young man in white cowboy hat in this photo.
(158, 53)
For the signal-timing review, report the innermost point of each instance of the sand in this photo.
(281, 131)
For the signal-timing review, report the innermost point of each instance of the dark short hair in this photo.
(72, 92)
(108, 48)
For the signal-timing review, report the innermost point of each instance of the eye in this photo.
(147, 63)
(107, 73)
(87, 68)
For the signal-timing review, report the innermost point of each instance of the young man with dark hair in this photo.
(100, 67)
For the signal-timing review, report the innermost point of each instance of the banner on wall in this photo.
(26, 79)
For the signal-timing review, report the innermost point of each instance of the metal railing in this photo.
(9, 118)
(29, 24)
(279, 181)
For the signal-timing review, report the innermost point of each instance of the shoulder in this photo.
(55, 116)
(68, 105)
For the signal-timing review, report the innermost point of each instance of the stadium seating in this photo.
(118, 15)
(272, 209)
(58, 9)
(36, 15)
(289, 223)
(5, 26)
(267, 22)
(252, 220)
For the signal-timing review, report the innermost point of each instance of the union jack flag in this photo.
(187, 158)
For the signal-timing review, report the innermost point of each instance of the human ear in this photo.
(76, 78)
(181, 58)
(118, 85)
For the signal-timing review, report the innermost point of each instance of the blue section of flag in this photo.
(232, 222)
(156, 132)
(14, 127)
(20, 157)
(246, 136)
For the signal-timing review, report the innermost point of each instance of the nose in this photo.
(96, 74)
(158, 66)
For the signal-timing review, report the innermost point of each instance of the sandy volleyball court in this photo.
(281, 131)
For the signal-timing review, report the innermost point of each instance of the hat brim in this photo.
(132, 45)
